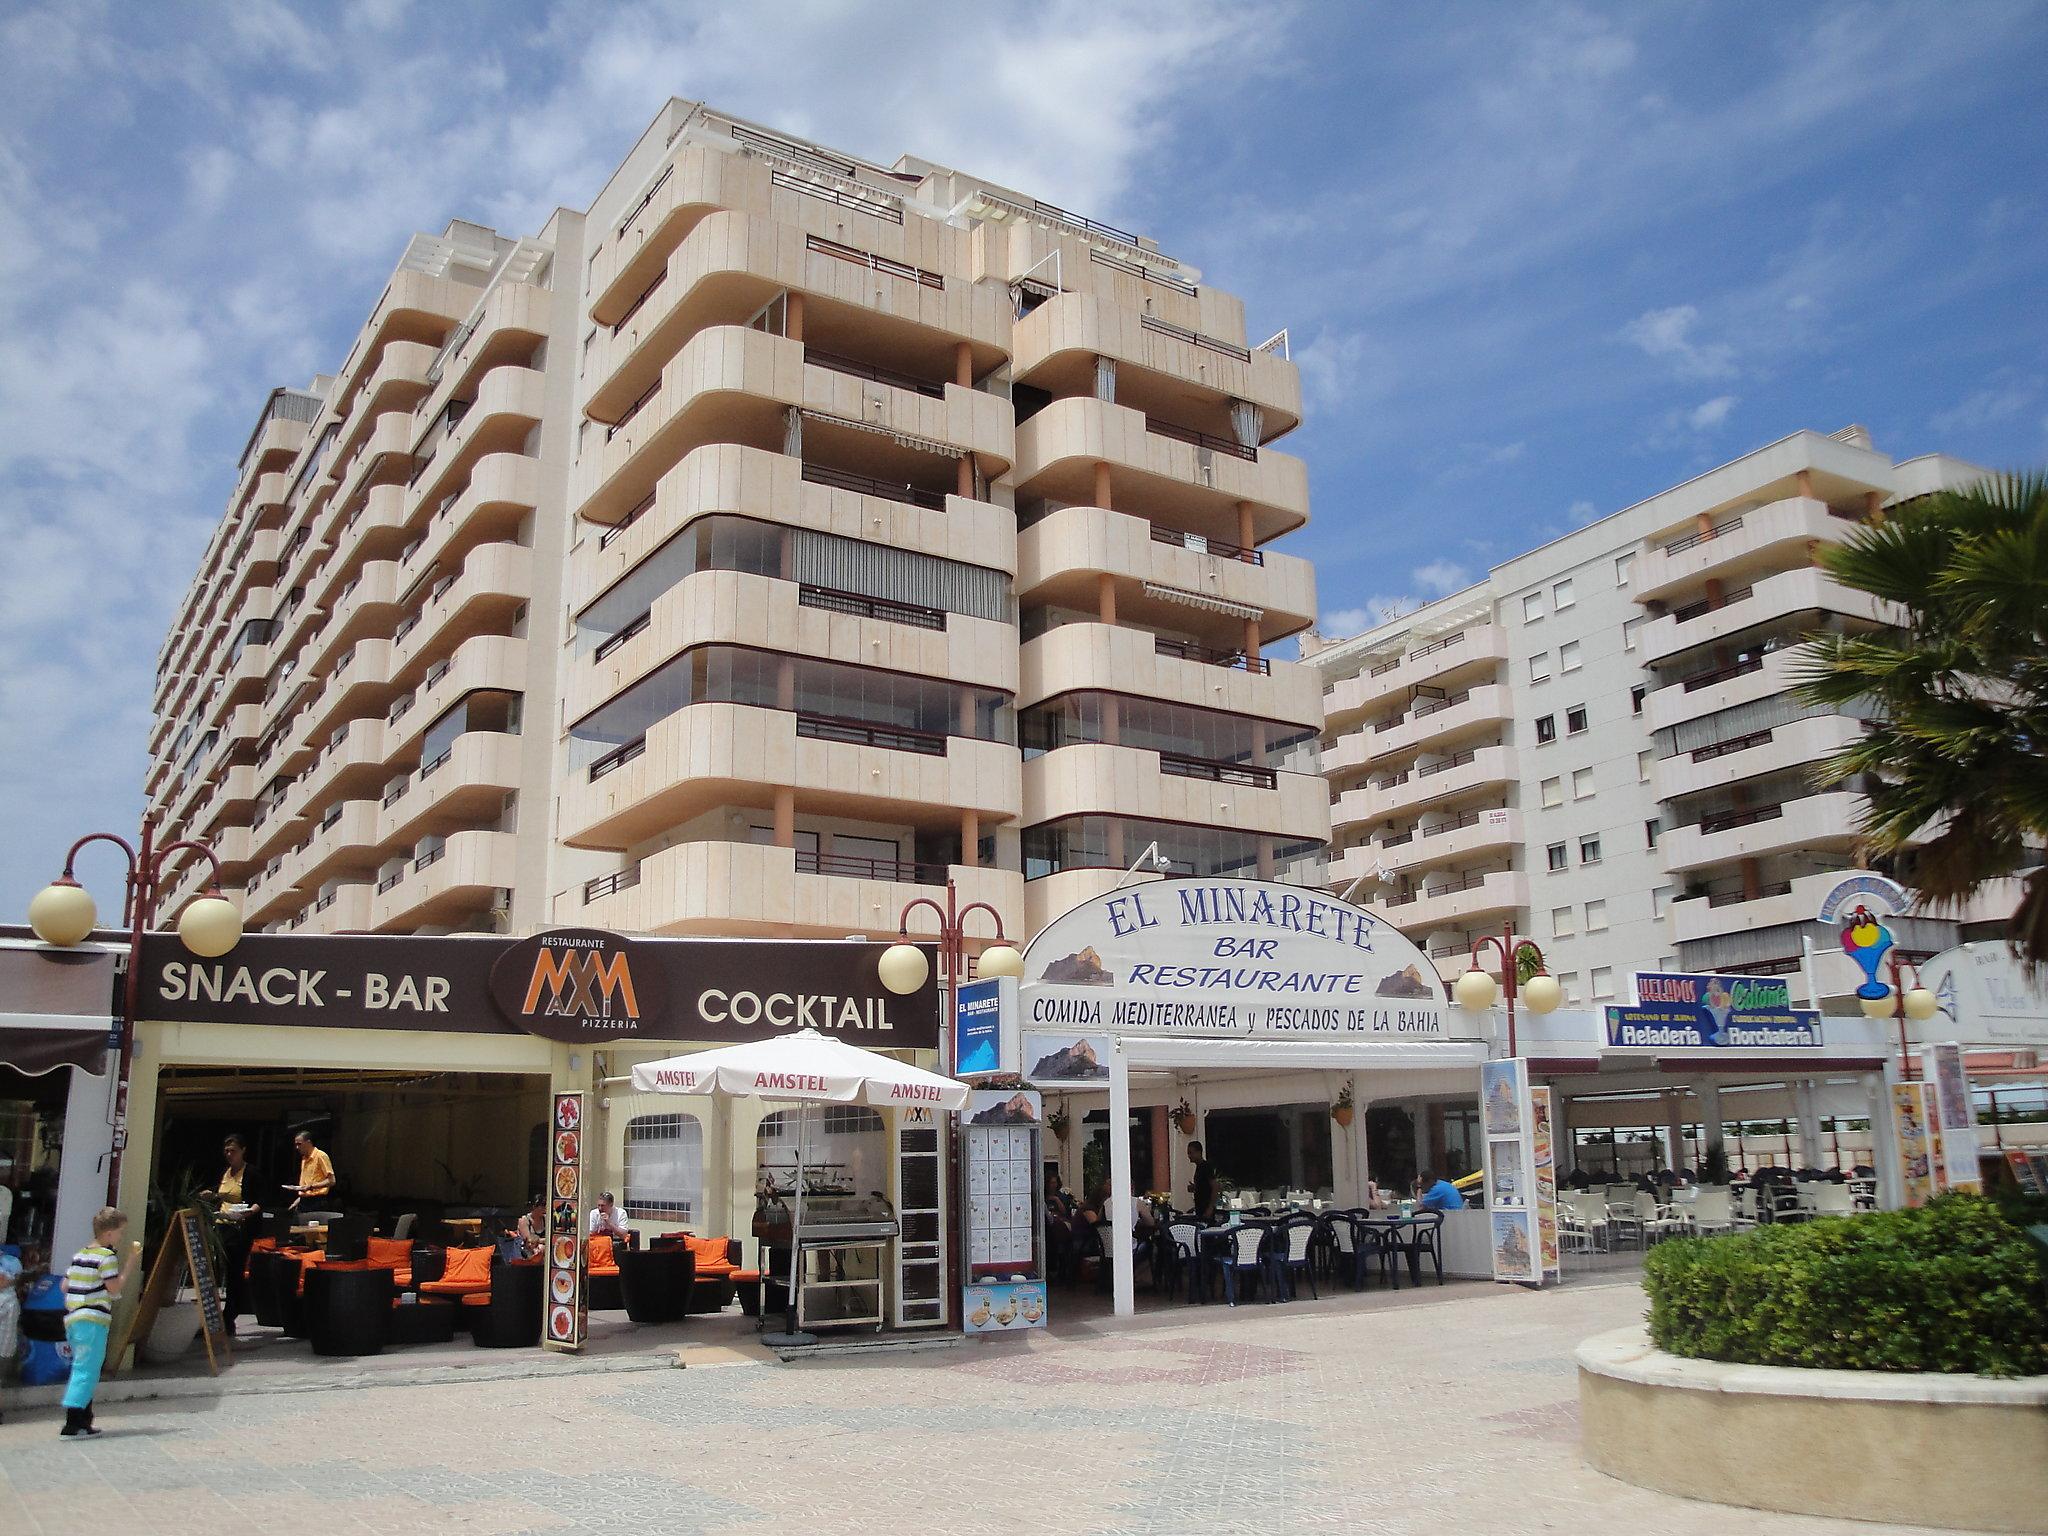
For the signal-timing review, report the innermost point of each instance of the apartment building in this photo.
(1598, 746)
(774, 541)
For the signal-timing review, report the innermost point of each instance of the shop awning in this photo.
(56, 1006)
(1301, 1054)
(35, 1043)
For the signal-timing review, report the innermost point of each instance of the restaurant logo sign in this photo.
(1685, 1011)
(1244, 958)
(575, 984)
(1879, 893)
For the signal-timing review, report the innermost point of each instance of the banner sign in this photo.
(1986, 997)
(1247, 958)
(1881, 894)
(1543, 1144)
(1915, 1148)
(1004, 1289)
(1063, 1059)
(1686, 1011)
(985, 1026)
(567, 1294)
(1952, 1115)
(1506, 1119)
(577, 985)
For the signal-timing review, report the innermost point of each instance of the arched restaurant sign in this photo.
(1238, 958)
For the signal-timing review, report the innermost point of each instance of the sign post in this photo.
(567, 1295)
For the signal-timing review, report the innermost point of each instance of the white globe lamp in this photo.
(62, 912)
(1922, 1005)
(210, 926)
(1876, 1007)
(904, 968)
(1475, 990)
(1000, 960)
(1541, 993)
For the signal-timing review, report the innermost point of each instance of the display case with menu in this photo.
(1004, 1276)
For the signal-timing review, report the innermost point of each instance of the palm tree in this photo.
(1955, 764)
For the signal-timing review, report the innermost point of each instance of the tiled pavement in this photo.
(1450, 1412)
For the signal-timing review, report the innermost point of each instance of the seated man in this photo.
(1437, 1194)
(607, 1220)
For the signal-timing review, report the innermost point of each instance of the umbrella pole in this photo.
(789, 1334)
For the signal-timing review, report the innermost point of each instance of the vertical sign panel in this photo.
(921, 1215)
(1541, 1128)
(1005, 1279)
(566, 1300)
(1504, 1117)
(1914, 1141)
(1952, 1115)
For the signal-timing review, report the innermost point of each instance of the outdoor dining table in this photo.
(1392, 1225)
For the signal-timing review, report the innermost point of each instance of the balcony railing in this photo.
(397, 792)
(1728, 820)
(1385, 667)
(1723, 674)
(1186, 650)
(1398, 839)
(612, 430)
(1205, 546)
(1427, 707)
(860, 733)
(1463, 883)
(613, 642)
(833, 600)
(1459, 761)
(430, 857)
(1705, 535)
(611, 884)
(1468, 819)
(1196, 338)
(1729, 898)
(1707, 605)
(1215, 771)
(853, 201)
(1140, 270)
(855, 867)
(389, 881)
(434, 765)
(858, 370)
(1732, 744)
(618, 757)
(604, 540)
(645, 294)
(1206, 440)
(868, 485)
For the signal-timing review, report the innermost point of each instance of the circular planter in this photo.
(1955, 1452)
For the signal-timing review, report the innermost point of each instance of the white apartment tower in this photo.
(1599, 745)
(780, 537)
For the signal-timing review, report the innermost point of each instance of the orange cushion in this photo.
(598, 1253)
(468, 1266)
(747, 1276)
(719, 1271)
(455, 1288)
(706, 1250)
(604, 1271)
(477, 1299)
(390, 1252)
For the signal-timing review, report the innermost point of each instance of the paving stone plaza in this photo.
(1423, 1411)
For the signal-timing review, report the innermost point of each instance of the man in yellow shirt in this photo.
(316, 1173)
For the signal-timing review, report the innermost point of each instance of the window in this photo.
(1561, 922)
(1561, 595)
(1596, 917)
(1660, 899)
(1589, 850)
(1635, 699)
(1568, 983)
(1575, 719)
(1532, 607)
(1568, 656)
(1546, 729)
(1650, 830)
(1539, 667)
(1553, 792)
(1582, 783)
(1643, 761)
(1628, 633)
(1624, 568)
(664, 1174)
(1556, 854)
(1603, 983)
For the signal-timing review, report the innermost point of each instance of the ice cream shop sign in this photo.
(1237, 958)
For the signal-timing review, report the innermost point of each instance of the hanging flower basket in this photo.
(1184, 1118)
(1345, 1107)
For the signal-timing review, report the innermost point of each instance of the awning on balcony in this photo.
(1203, 600)
(904, 439)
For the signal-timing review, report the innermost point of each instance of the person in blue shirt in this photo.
(1437, 1194)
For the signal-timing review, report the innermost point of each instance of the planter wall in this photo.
(1954, 1452)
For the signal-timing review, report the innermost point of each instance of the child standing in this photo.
(97, 1275)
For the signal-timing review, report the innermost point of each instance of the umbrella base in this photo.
(788, 1340)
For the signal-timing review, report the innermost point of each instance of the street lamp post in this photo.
(1917, 1004)
(904, 967)
(1475, 989)
(63, 914)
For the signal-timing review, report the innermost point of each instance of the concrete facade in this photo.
(751, 552)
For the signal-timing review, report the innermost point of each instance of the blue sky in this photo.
(1537, 260)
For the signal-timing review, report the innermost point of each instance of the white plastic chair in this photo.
(1713, 1210)
(1832, 1199)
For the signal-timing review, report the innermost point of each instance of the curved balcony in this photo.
(1725, 909)
(484, 598)
(374, 530)
(733, 263)
(397, 382)
(276, 444)
(1754, 754)
(359, 684)
(514, 317)
(628, 257)
(464, 785)
(447, 885)
(727, 888)
(1747, 543)
(1465, 658)
(1131, 661)
(1441, 725)
(755, 482)
(1432, 783)
(1091, 778)
(1050, 897)
(1710, 691)
(1060, 557)
(739, 608)
(416, 306)
(1451, 838)
(1829, 821)
(1455, 902)
(350, 765)
(495, 662)
(344, 909)
(346, 839)
(510, 400)
(502, 490)
(1771, 600)
(363, 607)
(1058, 342)
(1059, 447)
(711, 755)
(386, 451)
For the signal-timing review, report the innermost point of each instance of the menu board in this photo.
(1952, 1116)
(1915, 1147)
(1541, 1142)
(999, 1133)
(1507, 1118)
(567, 1293)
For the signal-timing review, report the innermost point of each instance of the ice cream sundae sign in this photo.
(1239, 958)
(1709, 1012)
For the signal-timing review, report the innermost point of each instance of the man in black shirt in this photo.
(1203, 1185)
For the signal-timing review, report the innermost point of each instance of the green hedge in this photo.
(1951, 1286)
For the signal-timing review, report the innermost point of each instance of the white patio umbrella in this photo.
(808, 1067)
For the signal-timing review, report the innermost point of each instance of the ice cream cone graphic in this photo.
(1865, 940)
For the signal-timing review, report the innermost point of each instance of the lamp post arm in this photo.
(121, 843)
(153, 877)
(982, 906)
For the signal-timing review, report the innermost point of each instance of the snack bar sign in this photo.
(1683, 1011)
(1243, 958)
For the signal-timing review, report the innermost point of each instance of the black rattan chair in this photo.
(348, 1311)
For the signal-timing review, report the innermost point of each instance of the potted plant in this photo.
(1184, 1118)
(1058, 1123)
(1345, 1107)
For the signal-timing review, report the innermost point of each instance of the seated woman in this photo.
(532, 1230)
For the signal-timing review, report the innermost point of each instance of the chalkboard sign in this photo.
(184, 1248)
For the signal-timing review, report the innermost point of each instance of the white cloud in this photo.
(1440, 577)
(1986, 407)
(1709, 414)
(1580, 513)
(1667, 335)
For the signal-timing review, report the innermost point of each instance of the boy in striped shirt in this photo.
(97, 1275)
